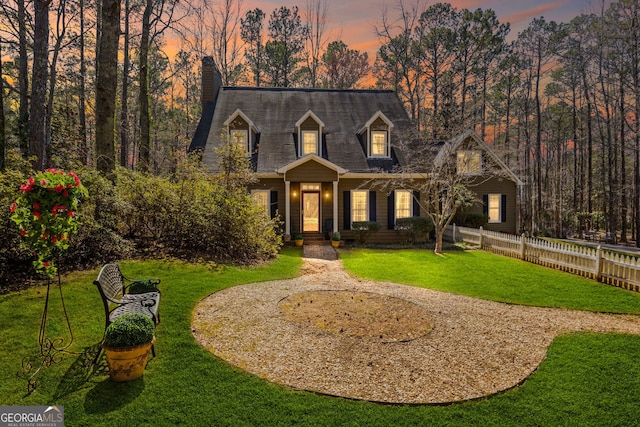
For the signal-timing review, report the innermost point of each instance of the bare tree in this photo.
(441, 180)
(226, 37)
(397, 56)
(315, 16)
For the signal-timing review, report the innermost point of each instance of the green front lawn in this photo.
(587, 379)
(483, 275)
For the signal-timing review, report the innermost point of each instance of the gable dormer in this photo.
(241, 130)
(309, 130)
(376, 134)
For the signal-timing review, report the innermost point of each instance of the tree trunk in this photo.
(2, 126)
(124, 98)
(145, 111)
(106, 85)
(23, 80)
(82, 107)
(38, 116)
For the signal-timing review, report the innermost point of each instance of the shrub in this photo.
(415, 228)
(472, 220)
(129, 330)
(364, 229)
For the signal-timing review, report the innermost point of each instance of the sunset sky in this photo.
(353, 21)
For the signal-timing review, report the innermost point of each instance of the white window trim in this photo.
(385, 133)
(499, 208)
(302, 134)
(366, 208)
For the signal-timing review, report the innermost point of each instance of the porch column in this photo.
(335, 206)
(287, 207)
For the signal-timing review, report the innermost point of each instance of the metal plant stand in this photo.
(51, 349)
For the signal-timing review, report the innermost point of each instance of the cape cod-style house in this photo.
(315, 150)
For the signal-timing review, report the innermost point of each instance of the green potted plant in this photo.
(335, 239)
(127, 343)
(298, 239)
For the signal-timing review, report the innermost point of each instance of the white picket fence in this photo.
(596, 263)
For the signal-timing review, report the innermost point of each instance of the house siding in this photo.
(311, 172)
(496, 185)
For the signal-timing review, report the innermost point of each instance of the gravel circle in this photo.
(473, 348)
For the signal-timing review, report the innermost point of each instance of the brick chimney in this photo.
(211, 81)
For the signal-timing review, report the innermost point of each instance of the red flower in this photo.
(36, 206)
(14, 205)
(65, 193)
(36, 214)
(59, 188)
(71, 214)
(44, 182)
(45, 264)
(23, 233)
(54, 239)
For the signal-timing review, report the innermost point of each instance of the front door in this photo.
(311, 212)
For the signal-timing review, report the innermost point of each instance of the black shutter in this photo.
(416, 203)
(274, 203)
(372, 206)
(503, 208)
(485, 204)
(391, 210)
(346, 198)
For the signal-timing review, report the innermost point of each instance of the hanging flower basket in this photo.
(45, 214)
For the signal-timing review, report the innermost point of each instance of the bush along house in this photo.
(317, 154)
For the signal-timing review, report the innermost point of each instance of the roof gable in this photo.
(471, 140)
(237, 113)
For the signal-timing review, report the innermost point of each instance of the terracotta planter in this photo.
(127, 363)
(299, 242)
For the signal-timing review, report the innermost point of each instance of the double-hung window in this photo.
(261, 198)
(359, 205)
(241, 138)
(379, 143)
(404, 203)
(309, 142)
(495, 207)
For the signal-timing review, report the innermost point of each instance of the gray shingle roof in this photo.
(275, 111)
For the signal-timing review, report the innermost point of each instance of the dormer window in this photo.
(379, 145)
(309, 142)
(241, 138)
(469, 162)
(376, 135)
(309, 129)
(240, 130)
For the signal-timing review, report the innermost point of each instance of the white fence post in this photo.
(480, 237)
(523, 245)
(599, 263)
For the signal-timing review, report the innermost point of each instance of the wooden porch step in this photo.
(314, 239)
